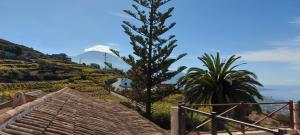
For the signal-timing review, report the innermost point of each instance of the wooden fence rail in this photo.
(216, 119)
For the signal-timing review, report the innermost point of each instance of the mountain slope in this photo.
(99, 58)
(20, 63)
(20, 50)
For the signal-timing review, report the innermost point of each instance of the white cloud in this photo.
(120, 14)
(112, 44)
(292, 42)
(99, 48)
(291, 81)
(285, 55)
(296, 21)
(285, 51)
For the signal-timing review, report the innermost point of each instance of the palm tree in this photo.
(220, 82)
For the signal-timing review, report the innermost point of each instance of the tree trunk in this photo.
(218, 110)
(148, 102)
(219, 99)
(149, 72)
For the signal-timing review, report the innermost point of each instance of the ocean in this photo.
(280, 92)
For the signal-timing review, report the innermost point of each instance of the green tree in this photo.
(220, 82)
(151, 60)
(95, 65)
(137, 85)
(18, 51)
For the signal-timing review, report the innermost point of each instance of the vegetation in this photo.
(92, 83)
(19, 50)
(94, 65)
(20, 64)
(220, 83)
(31, 70)
(161, 113)
(151, 61)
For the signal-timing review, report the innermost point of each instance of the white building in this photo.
(125, 83)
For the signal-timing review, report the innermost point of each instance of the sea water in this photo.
(279, 92)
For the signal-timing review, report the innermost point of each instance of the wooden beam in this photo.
(174, 121)
(292, 115)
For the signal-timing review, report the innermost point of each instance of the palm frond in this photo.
(220, 82)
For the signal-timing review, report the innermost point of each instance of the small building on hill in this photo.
(125, 83)
(6, 54)
(60, 56)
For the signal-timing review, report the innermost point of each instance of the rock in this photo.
(32, 95)
(19, 99)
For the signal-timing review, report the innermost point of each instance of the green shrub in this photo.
(283, 118)
(173, 99)
(161, 115)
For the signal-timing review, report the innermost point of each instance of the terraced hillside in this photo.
(30, 70)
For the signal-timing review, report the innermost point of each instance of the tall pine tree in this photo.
(151, 60)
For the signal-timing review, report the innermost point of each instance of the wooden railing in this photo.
(223, 119)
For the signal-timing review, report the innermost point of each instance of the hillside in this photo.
(30, 70)
(28, 64)
(19, 50)
(20, 63)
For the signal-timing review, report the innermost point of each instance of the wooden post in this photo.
(298, 115)
(242, 116)
(181, 118)
(214, 123)
(292, 115)
(175, 120)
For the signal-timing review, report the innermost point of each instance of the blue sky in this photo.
(265, 32)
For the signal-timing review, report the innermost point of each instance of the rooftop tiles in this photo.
(72, 112)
